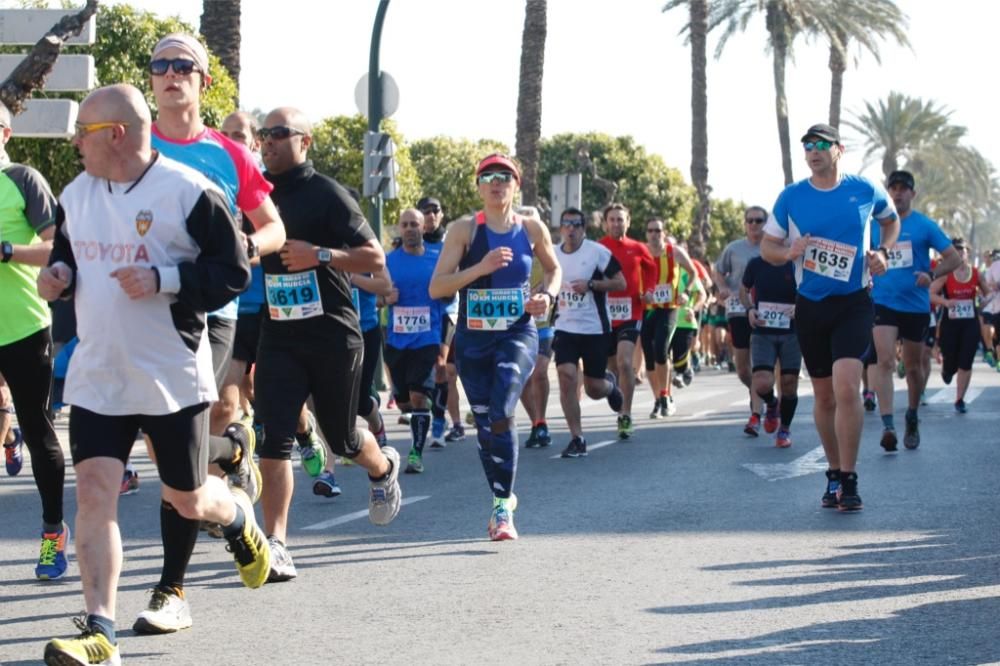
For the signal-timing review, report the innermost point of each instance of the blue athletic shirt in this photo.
(839, 223)
(227, 164)
(364, 303)
(897, 288)
(252, 299)
(514, 276)
(415, 319)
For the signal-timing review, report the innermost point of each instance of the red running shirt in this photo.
(639, 270)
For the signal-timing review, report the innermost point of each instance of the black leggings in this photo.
(367, 397)
(656, 333)
(959, 342)
(27, 367)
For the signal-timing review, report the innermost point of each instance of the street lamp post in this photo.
(375, 104)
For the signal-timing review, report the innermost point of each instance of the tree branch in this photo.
(31, 73)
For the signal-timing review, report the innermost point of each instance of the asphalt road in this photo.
(690, 543)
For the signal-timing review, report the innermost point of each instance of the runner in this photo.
(310, 341)
(956, 293)
(178, 76)
(661, 313)
(627, 305)
(902, 305)
(535, 396)
(415, 320)
(487, 259)
(27, 226)
(768, 294)
(827, 218)
(150, 245)
(582, 330)
(728, 272)
(682, 345)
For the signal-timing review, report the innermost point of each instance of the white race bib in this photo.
(411, 320)
(293, 296)
(901, 255)
(493, 309)
(775, 315)
(569, 300)
(829, 258)
(620, 308)
(663, 294)
(734, 306)
(964, 309)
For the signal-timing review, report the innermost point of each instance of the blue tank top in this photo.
(364, 303)
(253, 297)
(516, 275)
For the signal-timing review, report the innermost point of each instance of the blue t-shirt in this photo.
(415, 319)
(897, 288)
(364, 304)
(838, 222)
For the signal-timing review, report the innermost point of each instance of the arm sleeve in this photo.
(62, 250)
(221, 271)
(39, 204)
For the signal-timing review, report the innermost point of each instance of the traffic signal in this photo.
(380, 166)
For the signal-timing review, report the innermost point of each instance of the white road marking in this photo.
(807, 463)
(592, 447)
(358, 515)
(946, 395)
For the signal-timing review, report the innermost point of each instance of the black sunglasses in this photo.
(278, 132)
(756, 220)
(181, 66)
(430, 209)
(572, 222)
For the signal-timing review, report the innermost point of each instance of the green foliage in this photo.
(446, 170)
(645, 183)
(726, 225)
(125, 41)
(337, 151)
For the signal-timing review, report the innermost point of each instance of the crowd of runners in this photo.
(229, 306)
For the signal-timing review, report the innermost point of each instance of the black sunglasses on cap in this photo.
(181, 66)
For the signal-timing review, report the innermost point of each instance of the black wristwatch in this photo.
(324, 256)
(253, 250)
(590, 285)
(6, 251)
(884, 250)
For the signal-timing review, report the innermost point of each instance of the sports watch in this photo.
(253, 250)
(324, 256)
(6, 251)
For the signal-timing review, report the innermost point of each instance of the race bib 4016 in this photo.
(493, 309)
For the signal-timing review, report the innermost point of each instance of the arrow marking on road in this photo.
(804, 464)
(358, 515)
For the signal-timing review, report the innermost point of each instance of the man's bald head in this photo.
(113, 132)
(290, 117)
(118, 103)
(285, 139)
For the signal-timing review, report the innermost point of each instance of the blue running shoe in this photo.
(52, 562)
(13, 453)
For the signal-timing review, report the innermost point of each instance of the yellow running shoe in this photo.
(90, 647)
(249, 548)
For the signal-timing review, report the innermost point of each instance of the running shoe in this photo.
(990, 359)
(130, 482)
(166, 613)
(923, 398)
(688, 376)
(829, 499)
(544, 438)
(655, 414)
(437, 428)
(247, 474)
(783, 439)
(677, 382)
(414, 462)
(501, 524)
(249, 547)
(391, 404)
(90, 647)
(532, 441)
(577, 448)
(889, 440)
(470, 419)
(385, 495)
(404, 419)
(380, 436)
(625, 428)
(771, 418)
(312, 453)
(282, 567)
(869, 398)
(911, 437)
(752, 428)
(456, 434)
(13, 453)
(52, 558)
(848, 498)
(695, 363)
(669, 408)
(960, 407)
(615, 399)
(326, 485)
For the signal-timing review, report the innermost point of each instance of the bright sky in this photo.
(610, 66)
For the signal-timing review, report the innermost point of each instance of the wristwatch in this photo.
(884, 250)
(324, 256)
(6, 251)
(590, 285)
(253, 250)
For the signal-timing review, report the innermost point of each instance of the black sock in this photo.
(384, 476)
(235, 528)
(179, 536)
(420, 423)
(768, 397)
(103, 625)
(440, 400)
(788, 405)
(303, 437)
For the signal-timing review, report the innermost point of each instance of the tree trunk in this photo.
(838, 65)
(529, 98)
(220, 26)
(779, 44)
(700, 231)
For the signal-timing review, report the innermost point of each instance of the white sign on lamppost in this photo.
(565, 191)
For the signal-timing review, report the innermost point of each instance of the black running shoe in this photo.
(532, 441)
(911, 438)
(848, 498)
(577, 448)
(615, 399)
(888, 441)
(829, 499)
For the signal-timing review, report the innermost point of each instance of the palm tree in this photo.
(529, 98)
(220, 26)
(864, 22)
(697, 29)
